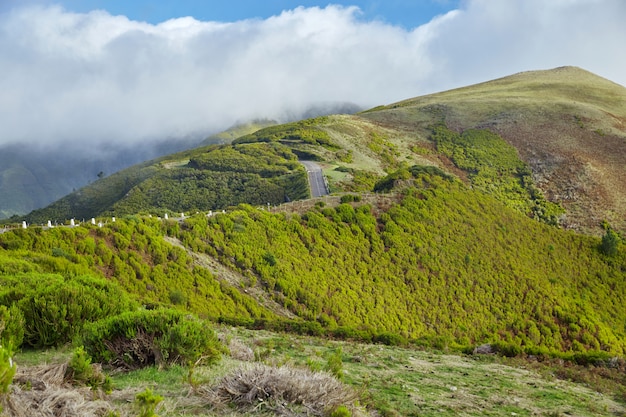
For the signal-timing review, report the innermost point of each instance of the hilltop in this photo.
(568, 124)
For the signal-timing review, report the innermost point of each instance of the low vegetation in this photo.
(302, 132)
(417, 269)
(494, 167)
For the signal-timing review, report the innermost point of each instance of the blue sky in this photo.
(407, 13)
(136, 70)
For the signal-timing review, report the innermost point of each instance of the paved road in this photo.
(316, 179)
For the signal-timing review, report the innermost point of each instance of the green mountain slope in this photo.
(458, 219)
(438, 262)
(566, 126)
(206, 178)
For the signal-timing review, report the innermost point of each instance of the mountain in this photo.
(449, 227)
(566, 126)
(433, 261)
(32, 177)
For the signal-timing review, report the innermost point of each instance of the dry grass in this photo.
(240, 351)
(283, 391)
(42, 391)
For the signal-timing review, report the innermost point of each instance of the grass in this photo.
(390, 381)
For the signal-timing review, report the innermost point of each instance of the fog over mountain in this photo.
(90, 82)
(94, 77)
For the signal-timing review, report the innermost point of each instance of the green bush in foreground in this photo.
(7, 370)
(143, 338)
(147, 403)
(54, 308)
(81, 371)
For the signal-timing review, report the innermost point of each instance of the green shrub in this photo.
(390, 339)
(347, 198)
(341, 411)
(177, 297)
(147, 403)
(81, 371)
(7, 369)
(334, 363)
(11, 326)
(610, 242)
(7, 372)
(55, 309)
(596, 358)
(509, 350)
(143, 338)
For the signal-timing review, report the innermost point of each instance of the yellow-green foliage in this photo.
(131, 252)
(11, 326)
(146, 402)
(305, 131)
(219, 177)
(214, 178)
(53, 309)
(448, 263)
(137, 339)
(7, 370)
(495, 168)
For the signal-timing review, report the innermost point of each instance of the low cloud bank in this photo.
(92, 79)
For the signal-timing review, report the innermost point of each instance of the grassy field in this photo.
(388, 381)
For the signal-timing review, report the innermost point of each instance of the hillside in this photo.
(566, 126)
(569, 125)
(33, 177)
(438, 262)
(206, 178)
(442, 233)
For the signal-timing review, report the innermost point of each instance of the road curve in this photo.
(316, 179)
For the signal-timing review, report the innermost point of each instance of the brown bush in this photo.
(43, 391)
(284, 391)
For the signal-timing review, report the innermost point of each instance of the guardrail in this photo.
(329, 200)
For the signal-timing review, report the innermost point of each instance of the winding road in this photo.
(316, 179)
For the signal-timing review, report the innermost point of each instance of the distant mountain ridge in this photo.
(33, 177)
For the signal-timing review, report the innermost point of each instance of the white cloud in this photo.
(94, 77)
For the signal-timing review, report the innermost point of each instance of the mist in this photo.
(93, 80)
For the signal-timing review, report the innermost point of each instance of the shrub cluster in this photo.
(49, 310)
(137, 339)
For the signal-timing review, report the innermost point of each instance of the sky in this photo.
(93, 73)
